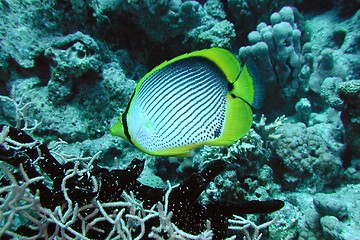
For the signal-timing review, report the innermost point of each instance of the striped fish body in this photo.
(195, 99)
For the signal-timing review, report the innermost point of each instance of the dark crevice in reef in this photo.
(40, 70)
(347, 8)
(317, 7)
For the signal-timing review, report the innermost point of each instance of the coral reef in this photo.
(335, 49)
(160, 20)
(304, 155)
(72, 65)
(74, 57)
(25, 37)
(344, 96)
(329, 90)
(327, 216)
(303, 110)
(249, 175)
(246, 14)
(283, 62)
(349, 92)
(91, 193)
(214, 29)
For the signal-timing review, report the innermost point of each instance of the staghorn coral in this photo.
(30, 27)
(252, 145)
(249, 144)
(91, 195)
(267, 131)
(97, 202)
(94, 200)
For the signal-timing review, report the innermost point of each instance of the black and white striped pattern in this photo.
(185, 101)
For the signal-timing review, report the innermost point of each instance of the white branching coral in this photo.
(248, 143)
(166, 226)
(250, 230)
(17, 202)
(20, 111)
(127, 217)
(267, 131)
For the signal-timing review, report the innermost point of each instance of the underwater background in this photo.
(68, 70)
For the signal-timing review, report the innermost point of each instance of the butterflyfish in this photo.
(200, 98)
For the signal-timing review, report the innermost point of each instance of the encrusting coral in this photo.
(344, 96)
(71, 57)
(349, 92)
(302, 155)
(160, 20)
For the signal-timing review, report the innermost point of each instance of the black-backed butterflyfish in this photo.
(200, 98)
